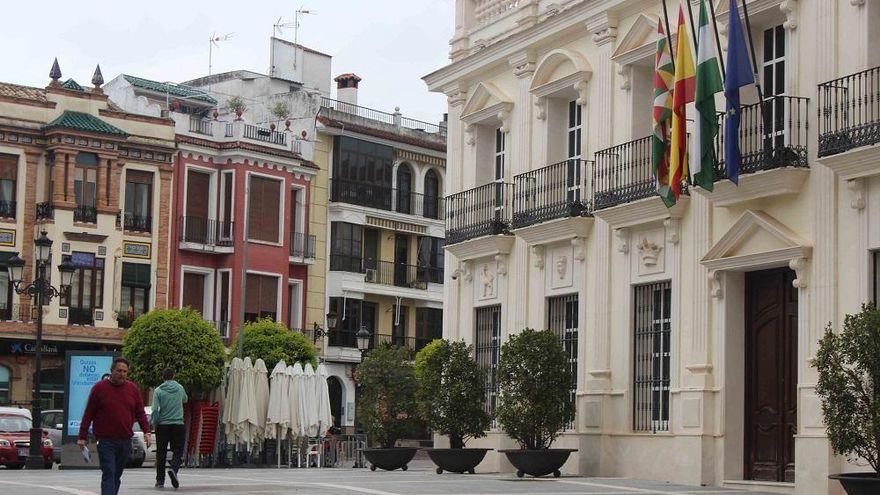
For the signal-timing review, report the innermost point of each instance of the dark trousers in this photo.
(175, 435)
(113, 455)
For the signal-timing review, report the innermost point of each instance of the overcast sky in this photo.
(391, 44)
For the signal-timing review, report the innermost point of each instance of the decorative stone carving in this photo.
(538, 253)
(580, 248)
(605, 36)
(857, 3)
(501, 264)
(561, 267)
(799, 265)
(673, 227)
(469, 132)
(715, 284)
(487, 278)
(625, 73)
(622, 240)
(649, 252)
(523, 64)
(552, 9)
(504, 117)
(790, 9)
(582, 88)
(857, 189)
(541, 108)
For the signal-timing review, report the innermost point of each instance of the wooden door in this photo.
(194, 291)
(771, 375)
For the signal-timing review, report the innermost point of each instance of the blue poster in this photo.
(85, 370)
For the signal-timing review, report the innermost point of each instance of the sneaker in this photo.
(173, 476)
(160, 484)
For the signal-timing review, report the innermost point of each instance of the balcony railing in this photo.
(85, 214)
(346, 263)
(849, 112)
(205, 231)
(556, 191)
(16, 312)
(302, 245)
(80, 316)
(380, 116)
(137, 223)
(385, 198)
(776, 139)
(397, 274)
(265, 135)
(477, 212)
(346, 338)
(45, 211)
(623, 173)
(200, 126)
(7, 209)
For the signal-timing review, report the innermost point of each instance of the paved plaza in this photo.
(420, 479)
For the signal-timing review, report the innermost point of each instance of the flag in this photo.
(682, 94)
(739, 74)
(662, 115)
(703, 159)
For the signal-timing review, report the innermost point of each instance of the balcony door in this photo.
(371, 249)
(198, 187)
(774, 82)
(398, 326)
(500, 147)
(194, 291)
(86, 289)
(404, 188)
(401, 258)
(573, 170)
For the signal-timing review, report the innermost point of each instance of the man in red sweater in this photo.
(112, 408)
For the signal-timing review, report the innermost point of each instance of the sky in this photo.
(391, 44)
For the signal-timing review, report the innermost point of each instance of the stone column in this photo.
(603, 28)
(459, 45)
(697, 356)
(453, 289)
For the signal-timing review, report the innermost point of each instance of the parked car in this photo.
(53, 423)
(15, 431)
(140, 453)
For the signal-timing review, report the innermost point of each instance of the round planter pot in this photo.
(457, 460)
(390, 459)
(859, 483)
(537, 462)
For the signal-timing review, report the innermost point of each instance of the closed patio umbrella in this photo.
(261, 394)
(230, 405)
(322, 400)
(310, 402)
(246, 412)
(278, 412)
(295, 400)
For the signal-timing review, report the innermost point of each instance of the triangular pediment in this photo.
(641, 34)
(486, 100)
(756, 239)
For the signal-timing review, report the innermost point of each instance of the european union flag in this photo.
(739, 74)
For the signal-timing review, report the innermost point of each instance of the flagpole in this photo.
(757, 80)
(691, 19)
(668, 35)
(717, 38)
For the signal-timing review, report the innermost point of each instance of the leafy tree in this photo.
(387, 405)
(534, 403)
(849, 386)
(178, 339)
(451, 392)
(272, 342)
(280, 109)
(236, 103)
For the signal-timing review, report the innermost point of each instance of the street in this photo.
(420, 479)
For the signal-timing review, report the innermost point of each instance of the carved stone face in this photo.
(561, 266)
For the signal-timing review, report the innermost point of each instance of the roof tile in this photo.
(178, 90)
(83, 122)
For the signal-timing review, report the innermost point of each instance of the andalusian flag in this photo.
(682, 94)
(709, 82)
(662, 116)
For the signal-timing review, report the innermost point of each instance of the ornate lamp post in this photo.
(317, 331)
(43, 292)
(363, 344)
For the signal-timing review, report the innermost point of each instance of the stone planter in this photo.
(390, 459)
(537, 462)
(457, 460)
(859, 483)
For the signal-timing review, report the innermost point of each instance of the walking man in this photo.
(111, 410)
(168, 400)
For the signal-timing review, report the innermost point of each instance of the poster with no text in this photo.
(84, 371)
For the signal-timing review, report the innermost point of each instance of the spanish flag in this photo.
(682, 94)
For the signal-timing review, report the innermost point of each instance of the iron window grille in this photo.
(652, 320)
(487, 350)
(563, 321)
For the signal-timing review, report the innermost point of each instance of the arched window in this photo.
(432, 195)
(5, 379)
(404, 188)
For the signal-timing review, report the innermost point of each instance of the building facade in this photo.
(385, 231)
(690, 330)
(98, 180)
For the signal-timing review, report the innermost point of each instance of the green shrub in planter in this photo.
(387, 404)
(849, 386)
(272, 342)
(451, 392)
(534, 405)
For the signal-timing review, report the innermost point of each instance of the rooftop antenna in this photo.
(296, 15)
(212, 42)
(278, 27)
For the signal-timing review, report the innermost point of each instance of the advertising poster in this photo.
(83, 371)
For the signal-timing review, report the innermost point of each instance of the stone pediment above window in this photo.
(639, 45)
(487, 105)
(562, 72)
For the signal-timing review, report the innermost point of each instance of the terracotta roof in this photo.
(83, 122)
(25, 92)
(348, 75)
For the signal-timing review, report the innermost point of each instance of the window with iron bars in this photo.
(487, 349)
(562, 319)
(875, 286)
(652, 322)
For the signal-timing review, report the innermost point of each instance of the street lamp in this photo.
(363, 344)
(317, 331)
(43, 292)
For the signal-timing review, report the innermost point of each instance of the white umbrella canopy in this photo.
(246, 412)
(310, 402)
(295, 400)
(230, 405)
(278, 412)
(322, 400)
(261, 394)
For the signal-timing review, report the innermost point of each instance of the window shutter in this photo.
(197, 188)
(194, 291)
(136, 275)
(268, 294)
(252, 294)
(8, 167)
(255, 209)
(140, 176)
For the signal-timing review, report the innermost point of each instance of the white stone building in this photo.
(690, 330)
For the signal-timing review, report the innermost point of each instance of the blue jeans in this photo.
(113, 455)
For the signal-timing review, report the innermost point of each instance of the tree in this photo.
(387, 405)
(272, 342)
(534, 404)
(452, 391)
(849, 386)
(178, 339)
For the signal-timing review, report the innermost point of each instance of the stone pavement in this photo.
(420, 479)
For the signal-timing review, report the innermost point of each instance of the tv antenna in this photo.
(215, 41)
(279, 26)
(296, 15)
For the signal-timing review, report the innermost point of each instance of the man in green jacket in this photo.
(167, 419)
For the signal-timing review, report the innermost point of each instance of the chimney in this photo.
(347, 88)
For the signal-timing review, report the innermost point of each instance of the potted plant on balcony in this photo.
(236, 104)
(534, 404)
(849, 388)
(451, 399)
(387, 405)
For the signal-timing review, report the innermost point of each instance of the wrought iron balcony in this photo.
(201, 126)
(346, 263)
(45, 211)
(265, 135)
(16, 312)
(623, 173)
(137, 223)
(849, 112)
(775, 139)
(477, 212)
(556, 191)
(7, 209)
(302, 245)
(205, 231)
(347, 338)
(85, 214)
(396, 274)
(80, 316)
(386, 198)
